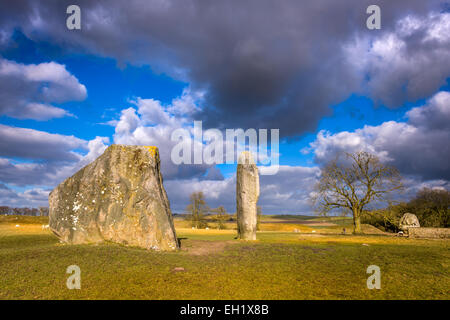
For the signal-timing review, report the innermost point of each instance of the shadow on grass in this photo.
(179, 240)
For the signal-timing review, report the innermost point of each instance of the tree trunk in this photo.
(356, 222)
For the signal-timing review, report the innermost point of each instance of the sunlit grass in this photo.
(279, 265)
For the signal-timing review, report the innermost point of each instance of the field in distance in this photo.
(282, 264)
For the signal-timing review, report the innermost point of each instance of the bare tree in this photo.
(354, 183)
(43, 211)
(197, 210)
(221, 217)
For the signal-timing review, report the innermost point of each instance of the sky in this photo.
(138, 70)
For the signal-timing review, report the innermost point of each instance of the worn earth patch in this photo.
(204, 247)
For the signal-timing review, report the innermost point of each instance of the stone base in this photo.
(429, 233)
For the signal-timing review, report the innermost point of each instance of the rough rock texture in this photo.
(408, 220)
(119, 197)
(247, 193)
(429, 233)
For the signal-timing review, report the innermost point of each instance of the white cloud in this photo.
(35, 144)
(95, 147)
(418, 147)
(152, 124)
(435, 114)
(28, 91)
(217, 192)
(287, 192)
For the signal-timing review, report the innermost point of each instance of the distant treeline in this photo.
(41, 211)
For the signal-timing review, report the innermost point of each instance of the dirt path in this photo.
(203, 247)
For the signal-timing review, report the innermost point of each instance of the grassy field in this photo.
(282, 264)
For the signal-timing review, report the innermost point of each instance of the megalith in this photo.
(247, 194)
(119, 197)
(407, 221)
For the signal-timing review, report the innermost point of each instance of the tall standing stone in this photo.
(247, 194)
(119, 197)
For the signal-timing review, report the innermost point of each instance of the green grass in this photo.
(280, 265)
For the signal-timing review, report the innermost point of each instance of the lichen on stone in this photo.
(123, 199)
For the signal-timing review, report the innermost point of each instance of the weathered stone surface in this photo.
(247, 194)
(429, 233)
(119, 197)
(408, 220)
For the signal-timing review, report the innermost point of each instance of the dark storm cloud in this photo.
(263, 64)
(418, 147)
(412, 62)
(28, 198)
(6, 193)
(24, 174)
(33, 157)
(35, 173)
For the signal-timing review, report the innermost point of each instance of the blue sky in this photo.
(350, 89)
(111, 86)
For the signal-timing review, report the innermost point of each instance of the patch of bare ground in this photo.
(204, 247)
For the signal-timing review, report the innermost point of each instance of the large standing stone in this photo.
(119, 197)
(247, 193)
(408, 220)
